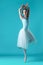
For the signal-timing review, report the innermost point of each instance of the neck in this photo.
(26, 17)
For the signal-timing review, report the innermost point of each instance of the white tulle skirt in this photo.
(24, 38)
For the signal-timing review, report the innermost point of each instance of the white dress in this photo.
(25, 36)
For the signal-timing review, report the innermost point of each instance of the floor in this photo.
(18, 60)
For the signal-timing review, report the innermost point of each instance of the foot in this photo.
(25, 58)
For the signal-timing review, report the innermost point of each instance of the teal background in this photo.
(10, 25)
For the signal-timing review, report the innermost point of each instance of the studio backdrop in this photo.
(10, 25)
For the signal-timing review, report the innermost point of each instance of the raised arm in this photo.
(21, 17)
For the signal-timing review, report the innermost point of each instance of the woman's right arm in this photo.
(21, 17)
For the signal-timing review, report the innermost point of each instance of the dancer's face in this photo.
(25, 13)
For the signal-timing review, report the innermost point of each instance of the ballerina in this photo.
(25, 36)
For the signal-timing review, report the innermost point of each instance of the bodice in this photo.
(25, 24)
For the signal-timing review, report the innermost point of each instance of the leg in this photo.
(25, 57)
